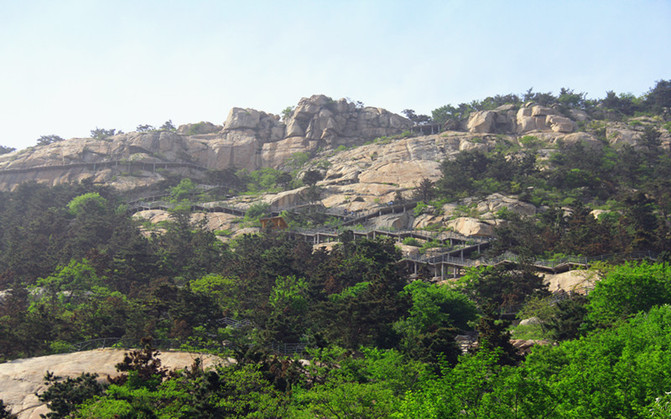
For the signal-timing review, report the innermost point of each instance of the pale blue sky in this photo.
(69, 66)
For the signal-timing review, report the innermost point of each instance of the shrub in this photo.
(101, 133)
(420, 209)
(5, 149)
(86, 202)
(298, 160)
(411, 241)
(287, 112)
(256, 211)
(529, 141)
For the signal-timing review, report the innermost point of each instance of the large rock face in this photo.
(22, 378)
(249, 139)
(528, 118)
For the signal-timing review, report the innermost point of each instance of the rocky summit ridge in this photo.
(248, 139)
(379, 150)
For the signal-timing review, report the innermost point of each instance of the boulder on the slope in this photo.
(621, 135)
(579, 281)
(202, 127)
(286, 199)
(481, 122)
(469, 226)
(401, 221)
(212, 221)
(341, 122)
(496, 202)
(21, 379)
(584, 138)
(532, 117)
(500, 120)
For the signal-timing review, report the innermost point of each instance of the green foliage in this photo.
(659, 97)
(667, 126)
(287, 112)
(430, 244)
(256, 211)
(5, 149)
(477, 172)
(469, 383)
(350, 292)
(182, 191)
(367, 386)
(265, 179)
(63, 397)
(236, 391)
(91, 201)
(76, 276)
(437, 314)
(420, 208)
(411, 241)
(49, 139)
(501, 288)
(297, 160)
(167, 126)
(529, 141)
(425, 191)
(311, 177)
(5, 411)
(145, 128)
(616, 372)
(341, 148)
(219, 288)
(628, 289)
(103, 134)
(289, 294)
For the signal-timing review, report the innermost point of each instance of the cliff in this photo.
(249, 139)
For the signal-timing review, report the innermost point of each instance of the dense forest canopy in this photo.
(75, 266)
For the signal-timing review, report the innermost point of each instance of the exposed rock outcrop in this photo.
(579, 281)
(22, 378)
(528, 118)
(468, 226)
(249, 139)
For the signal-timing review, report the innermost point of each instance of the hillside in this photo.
(401, 254)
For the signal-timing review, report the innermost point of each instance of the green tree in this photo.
(311, 177)
(102, 134)
(48, 139)
(569, 315)
(437, 314)
(182, 191)
(628, 289)
(5, 411)
(643, 222)
(257, 210)
(416, 119)
(287, 112)
(167, 126)
(224, 290)
(425, 191)
(659, 97)
(284, 179)
(145, 128)
(289, 303)
(5, 149)
(63, 397)
(91, 201)
(502, 288)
